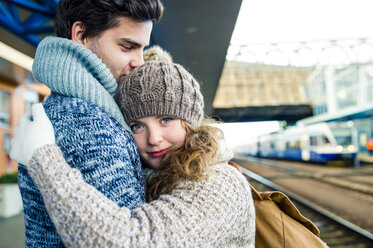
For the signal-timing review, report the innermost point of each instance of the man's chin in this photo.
(120, 79)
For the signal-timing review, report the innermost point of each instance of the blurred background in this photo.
(290, 79)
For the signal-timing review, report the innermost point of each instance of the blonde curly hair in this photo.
(189, 161)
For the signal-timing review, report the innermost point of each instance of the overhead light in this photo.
(16, 57)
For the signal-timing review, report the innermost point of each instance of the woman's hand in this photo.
(30, 135)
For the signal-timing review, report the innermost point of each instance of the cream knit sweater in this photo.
(215, 212)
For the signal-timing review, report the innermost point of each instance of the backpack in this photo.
(279, 223)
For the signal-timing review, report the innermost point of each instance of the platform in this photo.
(12, 232)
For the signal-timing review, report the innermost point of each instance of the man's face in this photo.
(121, 47)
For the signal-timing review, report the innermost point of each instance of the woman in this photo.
(197, 199)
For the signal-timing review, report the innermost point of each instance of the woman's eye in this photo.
(166, 119)
(135, 127)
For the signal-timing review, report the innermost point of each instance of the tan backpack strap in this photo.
(255, 193)
(235, 165)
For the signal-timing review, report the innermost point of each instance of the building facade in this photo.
(18, 91)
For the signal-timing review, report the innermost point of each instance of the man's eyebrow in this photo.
(131, 42)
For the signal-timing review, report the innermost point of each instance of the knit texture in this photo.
(57, 63)
(215, 212)
(92, 140)
(103, 151)
(155, 52)
(160, 88)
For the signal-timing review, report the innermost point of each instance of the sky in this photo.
(236, 134)
(271, 21)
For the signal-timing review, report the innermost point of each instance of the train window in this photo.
(297, 144)
(343, 136)
(344, 140)
(272, 145)
(293, 144)
(281, 145)
(325, 140)
(313, 140)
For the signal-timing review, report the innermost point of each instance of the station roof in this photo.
(196, 33)
(352, 113)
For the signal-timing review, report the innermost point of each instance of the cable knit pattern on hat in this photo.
(95, 84)
(215, 212)
(160, 88)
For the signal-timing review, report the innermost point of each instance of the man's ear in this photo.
(77, 31)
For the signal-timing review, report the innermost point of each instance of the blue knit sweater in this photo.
(92, 140)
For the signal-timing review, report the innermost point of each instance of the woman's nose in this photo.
(155, 137)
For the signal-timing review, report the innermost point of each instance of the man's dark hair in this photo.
(100, 15)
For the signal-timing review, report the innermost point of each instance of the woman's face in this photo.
(155, 135)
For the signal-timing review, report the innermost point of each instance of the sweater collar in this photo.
(70, 69)
(62, 52)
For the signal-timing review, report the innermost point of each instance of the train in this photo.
(330, 143)
(365, 145)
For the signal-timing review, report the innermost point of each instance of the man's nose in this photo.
(137, 60)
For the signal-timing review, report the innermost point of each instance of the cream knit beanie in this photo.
(160, 88)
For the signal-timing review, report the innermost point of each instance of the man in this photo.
(97, 43)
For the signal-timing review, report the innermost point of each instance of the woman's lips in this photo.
(158, 154)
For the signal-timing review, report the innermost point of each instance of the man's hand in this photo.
(30, 135)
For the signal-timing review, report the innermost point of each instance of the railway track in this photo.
(348, 178)
(335, 231)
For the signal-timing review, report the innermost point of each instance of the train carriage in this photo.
(322, 142)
